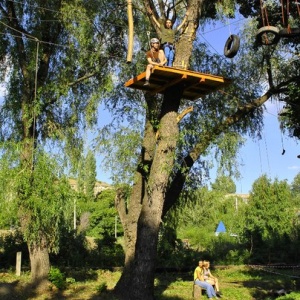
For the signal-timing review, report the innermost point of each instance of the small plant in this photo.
(70, 280)
(56, 277)
(102, 287)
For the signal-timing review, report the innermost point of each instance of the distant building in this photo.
(99, 186)
(243, 197)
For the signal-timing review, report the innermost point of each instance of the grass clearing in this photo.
(237, 283)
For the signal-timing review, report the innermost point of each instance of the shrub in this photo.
(56, 277)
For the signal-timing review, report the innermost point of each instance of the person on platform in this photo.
(168, 36)
(155, 57)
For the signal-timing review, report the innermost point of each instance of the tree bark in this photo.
(137, 281)
(40, 266)
(144, 215)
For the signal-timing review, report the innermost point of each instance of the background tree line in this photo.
(262, 229)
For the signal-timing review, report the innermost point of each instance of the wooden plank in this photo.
(197, 84)
(173, 82)
(135, 79)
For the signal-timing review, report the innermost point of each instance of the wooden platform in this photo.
(196, 84)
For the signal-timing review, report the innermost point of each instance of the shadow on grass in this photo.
(182, 290)
(264, 285)
(82, 274)
(15, 290)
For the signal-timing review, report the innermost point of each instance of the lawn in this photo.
(237, 283)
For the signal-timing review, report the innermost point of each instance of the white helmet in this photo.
(154, 40)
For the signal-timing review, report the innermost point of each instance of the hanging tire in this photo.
(289, 32)
(232, 46)
(268, 35)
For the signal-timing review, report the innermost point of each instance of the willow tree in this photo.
(54, 61)
(172, 154)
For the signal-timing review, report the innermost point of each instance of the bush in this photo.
(102, 287)
(57, 278)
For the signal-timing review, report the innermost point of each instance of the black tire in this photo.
(287, 33)
(232, 46)
(268, 35)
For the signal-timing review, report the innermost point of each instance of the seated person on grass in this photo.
(199, 280)
(208, 277)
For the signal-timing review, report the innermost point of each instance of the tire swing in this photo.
(232, 46)
(289, 32)
(268, 35)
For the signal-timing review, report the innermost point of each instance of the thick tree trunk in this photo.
(40, 266)
(137, 280)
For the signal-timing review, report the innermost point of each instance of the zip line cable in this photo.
(267, 153)
(35, 6)
(260, 159)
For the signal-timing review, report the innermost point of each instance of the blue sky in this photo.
(264, 156)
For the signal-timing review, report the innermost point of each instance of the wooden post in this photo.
(130, 31)
(18, 263)
(197, 292)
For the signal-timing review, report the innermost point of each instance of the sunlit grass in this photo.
(237, 283)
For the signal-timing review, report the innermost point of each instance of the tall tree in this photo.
(90, 174)
(172, 158)
(54, 59)
(268, 216)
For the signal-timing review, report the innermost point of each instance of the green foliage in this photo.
(90, 174)
(224, 184)
(45, 201)
(225, 8)
(102, 219)
(8, 207)
(87, 175)
(108, 253)
(102, 287)
(73, 250)
(56, 277)
(269, 229)
(265, 227)
(122, 146)
(295, 186)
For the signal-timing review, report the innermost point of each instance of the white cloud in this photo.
(294, 168)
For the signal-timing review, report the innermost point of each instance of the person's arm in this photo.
(153, 17)
(199, 275)
(183, 21)
(210, 275)
(162, 58)
(150, 61)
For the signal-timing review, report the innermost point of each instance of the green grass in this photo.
(237, 283)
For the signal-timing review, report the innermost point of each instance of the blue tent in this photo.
(220, 229)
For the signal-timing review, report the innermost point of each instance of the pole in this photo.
(74, 219)
(116, 221)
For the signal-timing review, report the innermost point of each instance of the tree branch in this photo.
(206, 138)
(79, 80)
